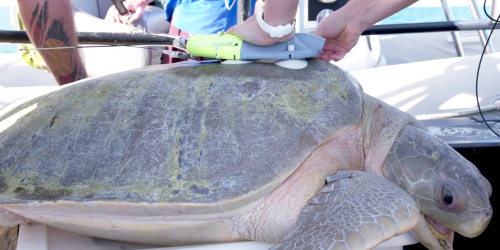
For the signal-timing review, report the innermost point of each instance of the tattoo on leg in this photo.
(33, 15)
(66, 67)
(64, 62)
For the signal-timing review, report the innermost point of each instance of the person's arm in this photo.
(50, 24)
(136, 6)
(343, 28)
(276, 12)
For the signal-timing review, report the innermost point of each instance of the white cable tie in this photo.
(219, 33)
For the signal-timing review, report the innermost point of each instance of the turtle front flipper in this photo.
(355, 210)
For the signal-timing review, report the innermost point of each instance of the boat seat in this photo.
(43, 237)
(89, 17)
(436, 86)
(365, 55)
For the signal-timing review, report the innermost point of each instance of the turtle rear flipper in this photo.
(358, 210)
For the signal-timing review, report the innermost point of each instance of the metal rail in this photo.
(477, 14)
(495, 8)
(392, 29)
(244, 10)
(122, 38)
(454, 34)
(118, 38)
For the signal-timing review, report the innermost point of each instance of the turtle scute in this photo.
(208, 134)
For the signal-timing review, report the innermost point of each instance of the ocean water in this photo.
(408, 15)
(428, 14)
(5, 24)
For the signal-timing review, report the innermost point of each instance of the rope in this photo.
(219, 34)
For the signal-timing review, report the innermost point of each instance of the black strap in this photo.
(120, 7)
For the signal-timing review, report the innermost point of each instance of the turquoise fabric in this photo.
(201, 17)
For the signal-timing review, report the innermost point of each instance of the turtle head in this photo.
(452, 193)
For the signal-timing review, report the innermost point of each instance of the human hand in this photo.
(251, 32)
(136, 6)
(341, 36)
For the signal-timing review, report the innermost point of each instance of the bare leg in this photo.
(8, 237)
(50, 24)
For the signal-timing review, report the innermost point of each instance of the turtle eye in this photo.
(447, 196)
(451, 196)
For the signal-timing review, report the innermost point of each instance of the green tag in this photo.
(227, 46)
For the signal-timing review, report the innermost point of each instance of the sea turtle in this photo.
(191, 154)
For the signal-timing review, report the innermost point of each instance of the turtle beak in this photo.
(476, 226)
(432, 234)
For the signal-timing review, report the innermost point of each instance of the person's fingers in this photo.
(139, 11)
(338, 56)
(325, 56)
(319, 32)
(135, 17)
(335, 55)
(116, 16)
(111, 10)
(109, 14)
(328, 55)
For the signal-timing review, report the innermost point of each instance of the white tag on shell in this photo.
(231, 62)
(292, 63)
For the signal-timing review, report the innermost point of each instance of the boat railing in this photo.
(478, 14)
(454, 34)
(9, 36)
(480, 23)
